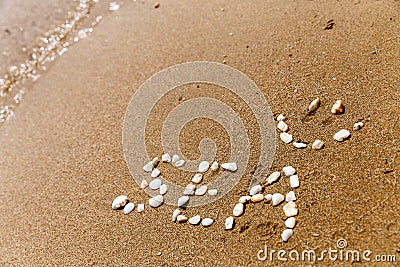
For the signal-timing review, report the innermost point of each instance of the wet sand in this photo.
(63, 162)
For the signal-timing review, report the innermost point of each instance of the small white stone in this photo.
(214, 166)
(291, 196)
(175, 214)
(231, 166)
(358, 125)
(140, 207)
(201, 190)
(294, 181)
(282, 126)
(229, 223)
(238, 209)
(155, 184)
(182, 201)
(181, 218)
(341, 135)
(155, 173)
(179, 163)
(277, 199)
(194, 220)
(163, 189)
(299, 145)
(268, 197)
(148, 167)
(337, 108)
(144, 184)
(189, 190)
(286, 138)
(290, 222)
(318, 144)
(257, 198)
(128, 208)
(119, 202)
(203, 166)
(207, 222)
(156, 201)
(281, 117)
(244, 199)
(290, 209)
(255, 190)
(166, 158)
(213, 192)
(314, 105)
(273, 177)
(289, 170)
(286, 234)
(197, 178)
(175, 158)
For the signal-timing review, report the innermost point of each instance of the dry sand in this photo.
(62, 157)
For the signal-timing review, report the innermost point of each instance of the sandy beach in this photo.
(62, 153)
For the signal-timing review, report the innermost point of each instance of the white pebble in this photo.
(119, 202)
(255, 190)
(291, 196)
(238, 209)
(314, 105)
(268, 197)
(289, 170)
(155, 184)
(231, 166)
(286, 138)
(144, 184)
(214, 166)
(166, 158)
(175, 158)
(189, 190)
(207, 222)
(213, 192)
(194, 220)
(257, 198)
(290, 209)
(163, 189)
(140, 207)
(156, 201)
(341, 135)
(290, 222)
(299, 145)
(244, 199)
(282, 126)
(337, 108)
(181, 218)
(273, 177)
(203, 166)
(201, 190)
(128, 208)
(294, 181)
(148, 167)
(286, 234)
(229, 223)
(277, 199)
(155, 173)
(175, 214)
(281, 117)
(179, 163)
(358, 125)
(318, 144)
(182, 201)
(197, 178)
